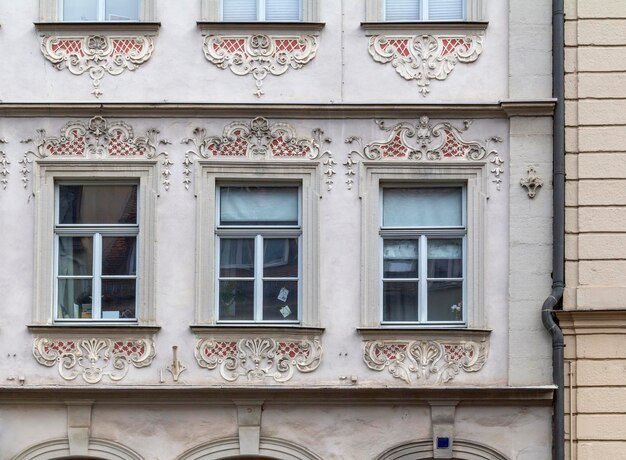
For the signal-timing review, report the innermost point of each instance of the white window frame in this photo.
(212, 11)
(211, 175)
(379, 174)
(48, 174)
(261, 10)
(97, 232)
(422, 234)
(424, 10)
(260, 233)
(52, 11)
(475, 11)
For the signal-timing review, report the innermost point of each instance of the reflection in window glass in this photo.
(80, 10)
(122, 10)
(97, 204)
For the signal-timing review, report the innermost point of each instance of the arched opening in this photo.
(423, 450)
(59, 449)
(228, 449)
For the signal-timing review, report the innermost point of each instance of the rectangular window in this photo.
(423, 233)
(258, 253)
(261, 10)
(424, 10)
(99, 10)
(96, 230)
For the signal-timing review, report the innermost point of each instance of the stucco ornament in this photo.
(97, 55)
(532, 182)
(93, 358)
(259, 358)
(425, 57)
(4, 166)
(260, 55)
(422, 359)
(98, 139)
(433, 142)
(259, 139)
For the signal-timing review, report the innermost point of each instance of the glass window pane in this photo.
(400, 301)
(402, 10)
(400, 259)
(445, 10)
(237, 257)
(280, 300)
(445, 300)
(282, 10)
(118, 299)
(97, 204)
(236, 301)
(239, 10)
(423, 207)
(74, 298)
(445, 258)
(280, 257)
(75, 255)
(80, 10)
(122, 10)
(119, 255)
(259, 205)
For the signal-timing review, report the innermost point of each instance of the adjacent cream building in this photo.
(294, 230)
(594, 319)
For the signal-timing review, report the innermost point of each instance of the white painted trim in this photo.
(212, 173)
(474, 176)
(45, 174)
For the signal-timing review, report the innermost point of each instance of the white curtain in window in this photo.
(259, 205)
(423, 207)
(445, 10)
(402, 10)
(282, 10)
(239, 10)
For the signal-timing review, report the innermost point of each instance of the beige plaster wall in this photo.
(595, 229)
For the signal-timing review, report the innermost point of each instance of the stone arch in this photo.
(423, 450)
(228, 449)
(58, 449)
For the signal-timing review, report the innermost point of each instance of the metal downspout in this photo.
(558, 229)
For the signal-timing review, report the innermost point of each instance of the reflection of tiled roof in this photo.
(129, 215)
(116, 260)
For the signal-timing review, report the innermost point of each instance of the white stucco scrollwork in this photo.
(425, 57)
(93, 358)
(4, 166)
(259, 358)
(97, 139)
(260, 55)
(532, 182)
(259, 139)
(425, 358)
(97, 54)
(433, 142)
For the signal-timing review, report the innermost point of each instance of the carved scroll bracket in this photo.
(260, 55)
(418, 360)
(532, 182)
(93, 358)
(259, 358)
(259, 139)
(97, 55)
(97, 139)
(4, 166)
(432, 142)
(425, 57)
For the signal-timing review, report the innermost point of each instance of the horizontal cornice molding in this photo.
(259, 26)
(91, 27)
(501, 109)
(592, 321)
(223, 395)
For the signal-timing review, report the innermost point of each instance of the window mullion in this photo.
(96, 288)
(424, 12)
(261, 10)
(101, 10)
(423, 280)
(258, 278)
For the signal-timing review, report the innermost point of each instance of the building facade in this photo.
(304, 230)
(593, 316)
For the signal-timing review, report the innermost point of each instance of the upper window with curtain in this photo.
(424, 10)
(261, 10)
(99, 10)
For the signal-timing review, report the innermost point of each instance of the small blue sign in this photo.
(443, 443)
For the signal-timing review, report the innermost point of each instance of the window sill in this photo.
(423, 333)
(259, 26)
(382, 27)
(258, 330)
(56, 27)
(92, 329)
